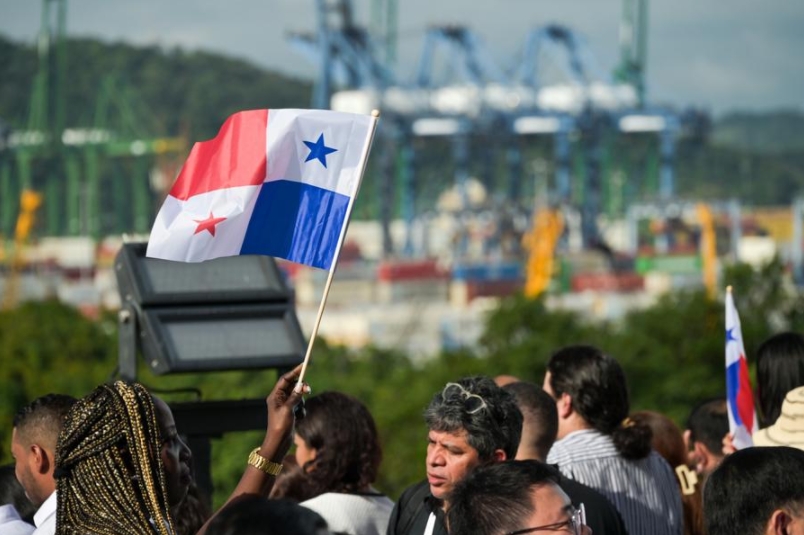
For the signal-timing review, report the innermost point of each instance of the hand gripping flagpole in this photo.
(375, 114)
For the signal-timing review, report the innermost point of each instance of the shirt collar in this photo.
(587, 434)
(8, 513)
(46, 510)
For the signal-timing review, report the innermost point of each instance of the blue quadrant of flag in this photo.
(296, 221)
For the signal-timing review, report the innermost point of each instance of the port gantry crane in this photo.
(581, 110)
(77, 167)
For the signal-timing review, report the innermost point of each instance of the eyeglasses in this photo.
(574, 523)
(472, 403)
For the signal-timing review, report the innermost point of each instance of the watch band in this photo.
(262, 464)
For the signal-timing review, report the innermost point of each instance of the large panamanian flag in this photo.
(272, 182)
(740, 398)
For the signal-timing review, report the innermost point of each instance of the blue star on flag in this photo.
(730, 335)
(318, 150)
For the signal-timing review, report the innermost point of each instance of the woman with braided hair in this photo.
(110, 475)
(121, 466)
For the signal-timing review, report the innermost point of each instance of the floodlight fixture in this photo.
(223, 314)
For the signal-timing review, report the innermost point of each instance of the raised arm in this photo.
(278, 437)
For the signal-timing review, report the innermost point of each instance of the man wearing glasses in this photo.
(513, 498)
(471, 423)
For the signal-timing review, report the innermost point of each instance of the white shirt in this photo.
(355, 514)
(45, 517)
(11, 523)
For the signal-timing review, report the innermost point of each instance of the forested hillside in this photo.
(776, 132)
(174, 92)
(758, 158)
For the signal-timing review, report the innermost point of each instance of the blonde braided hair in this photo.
(109, 474)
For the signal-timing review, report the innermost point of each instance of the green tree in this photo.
(521, 334)
(49, 347)
(672, 353)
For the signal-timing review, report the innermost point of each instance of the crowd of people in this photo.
(504, 456)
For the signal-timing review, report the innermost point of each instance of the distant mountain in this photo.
(769, 132)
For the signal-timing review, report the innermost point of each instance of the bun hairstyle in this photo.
(596, 383)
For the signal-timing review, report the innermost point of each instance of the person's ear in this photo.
(700, 453)
(498, 456)
(564, 406)
(42, 461)
(707, 459)
(778, 523)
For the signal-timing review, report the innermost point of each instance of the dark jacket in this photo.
(412, 511)
(601, 515)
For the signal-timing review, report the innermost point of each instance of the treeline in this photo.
(754, 177)
(672, 352)
(175, 92)
(772, 132)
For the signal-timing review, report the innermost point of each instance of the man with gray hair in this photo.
(471, 423)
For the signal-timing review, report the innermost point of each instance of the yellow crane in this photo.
(541, 242)
(708, 249)
(30, 201)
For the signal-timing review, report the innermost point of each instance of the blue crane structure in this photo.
(553, 89)
(343, 52)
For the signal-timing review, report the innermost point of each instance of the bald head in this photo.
(502, 380)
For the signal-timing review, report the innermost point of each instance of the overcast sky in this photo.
(718, 54)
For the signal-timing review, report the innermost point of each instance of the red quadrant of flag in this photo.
(235, 157)
(745, 397)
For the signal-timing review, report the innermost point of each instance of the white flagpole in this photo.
(375, 114)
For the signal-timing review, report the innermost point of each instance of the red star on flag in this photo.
(208, 224)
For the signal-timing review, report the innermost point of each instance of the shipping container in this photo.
(410, 270)
(607, 282)
(492, 271)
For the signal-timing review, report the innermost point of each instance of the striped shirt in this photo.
(645, 491)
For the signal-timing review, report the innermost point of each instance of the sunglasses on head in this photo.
(472, 403)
